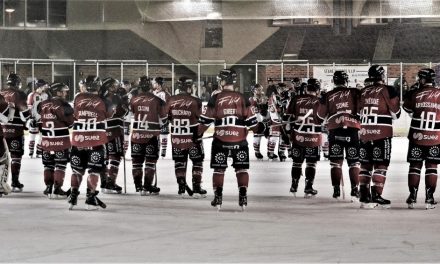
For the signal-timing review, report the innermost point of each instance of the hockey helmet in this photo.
(185, 84)
(313, 85)
(110, 84)
(57, 87)
(144, 83)
(296, 81)
(257, 89)
(13, 80)
(40, 83)
(93, 83)
(159, 80)
(227, 75)
(376, 72)
(427, 74)
(340, 77)
(368, 82)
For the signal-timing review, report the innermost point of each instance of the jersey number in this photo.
(181, 127)
(427, 120)
(369, 115)
(87, 124)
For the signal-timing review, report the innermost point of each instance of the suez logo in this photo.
(46, 143)
(222, 133)
(420, 136)
(82, 138)
(137, 135)
(181, 140)
(300, 138)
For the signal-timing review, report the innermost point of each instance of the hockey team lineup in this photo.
(108, 117)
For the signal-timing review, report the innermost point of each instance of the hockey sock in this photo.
(353, 171)
(271, 144)
(218, 178)
(296, 170)
(336, 172)
(39, 149)
(164, 142)
(310, 171)
(31, 146)
(76, 179)
(48, 174)
(15, 168)
(431, 178)
(257, 141)
(180, 169)
(242, 177)
(150, 169)
(379, 178)
(414, 176)
(113, 170)
(60, 172)
(282, 146)
(365, 177)
(92, 181)
(137, 171)
(197, 172)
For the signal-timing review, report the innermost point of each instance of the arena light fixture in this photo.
(9, 10)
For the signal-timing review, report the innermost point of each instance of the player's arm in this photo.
(393, 102)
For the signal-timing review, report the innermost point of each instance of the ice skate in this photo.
(163, 153)
(17, 186)
(412, 198)
(272, 156)
(112, 187)
(199, 192)
(309, 192)
(184, 188)
(48, 191)
(354, 194)
(59, 193)
(259, 156)
(336, 192)
(282, 156)
(73, 198)
(103, 185)
(294, 187)
(242, 198)
(93, 202)
(365, 197)
(379, 200)
(150, 190)
(430, 203)
(218, 195)
(289, 153)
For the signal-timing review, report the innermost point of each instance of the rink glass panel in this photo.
(187, 70)
(164, 71)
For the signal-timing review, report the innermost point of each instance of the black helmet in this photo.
(110, 82)
(93, 83)
(159, 80)
(368, 82)
(376, 72)
(313, 85)
(255, 87)
(340, 77)
(144, 83)
(227, 75)
(40, 83)
(57, 87)
(184, 84)
(427, 74)
(13, 80)
(296, 81)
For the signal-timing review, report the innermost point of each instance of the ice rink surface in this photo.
(276, 227)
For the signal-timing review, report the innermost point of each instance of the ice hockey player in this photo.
(124, 92)
(424, 136)
(305, 136)
(340, 107)
(33, 100)
(183, 112)
(13, 130)
(88, 141)
(149, 116)
(379, 105)
(163, 94)
(56, 117)
(271, 88)
(115, 132)
(232, 114)
(277, 105)
(4, 152)
(259, 102)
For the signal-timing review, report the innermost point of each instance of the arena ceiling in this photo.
(188, 10)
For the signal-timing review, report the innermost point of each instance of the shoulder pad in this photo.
(211, 102)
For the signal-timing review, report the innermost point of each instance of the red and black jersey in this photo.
(379, 105)
(90, 113)
(424, 106)
(307, 129)
(183, 112)
(232, 114)
(340, 107)
(15, 126)
(149, 115)
(115, 124)
(260, 106)
(4, 112)
(56, 119)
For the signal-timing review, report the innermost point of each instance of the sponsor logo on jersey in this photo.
(88, 102)
(142, 99)
(372, 90)
(222, 133)
(141, 136)
(420, 136)
(229, 100)
(370, 131)
(181, 141)
(82, 138)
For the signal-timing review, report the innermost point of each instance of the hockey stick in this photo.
(155, 175)
(125, 171)
(301, 118)
(343, 189)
